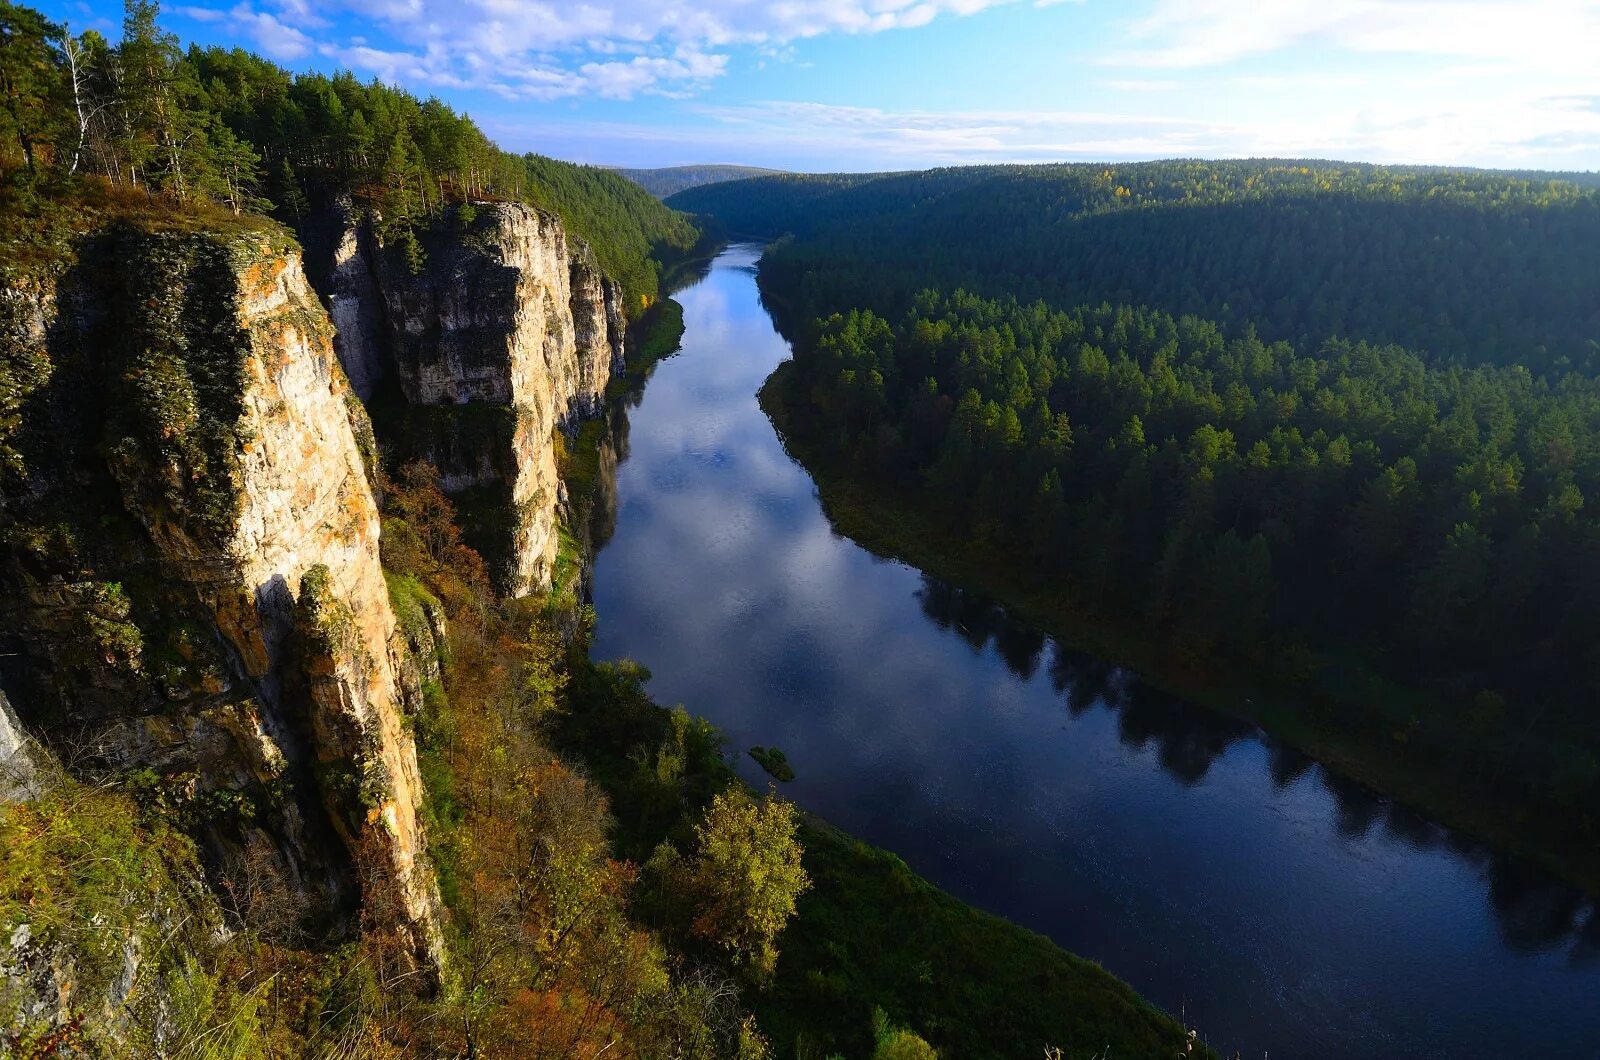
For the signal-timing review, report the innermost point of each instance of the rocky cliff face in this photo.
(191, 564)
(18, 770)
(508, 333)
(355, 303)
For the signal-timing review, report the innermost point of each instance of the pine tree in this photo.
(32, 81)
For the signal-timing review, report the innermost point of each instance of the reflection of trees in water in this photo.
(972, 617)
(977, 620)
(686, 275)
(1083, 679)
(1534, 910)
(1187, 738)
(1020, 647)
(1358, 807)
(1287, 764)
(1411, 828)
(613, 449)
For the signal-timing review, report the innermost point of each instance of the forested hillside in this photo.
(227, 126)
(385, 811)
(1405, 536)
(1463, 265)
(673, 179)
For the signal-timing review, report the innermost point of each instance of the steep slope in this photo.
(192, 581)
(18, 770)
(508, 333)
(634, 236)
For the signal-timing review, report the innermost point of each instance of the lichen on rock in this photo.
(193, 490)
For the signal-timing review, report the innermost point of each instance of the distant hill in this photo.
(1468, 265)
(673, 179)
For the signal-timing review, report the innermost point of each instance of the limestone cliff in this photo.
(18, 768)
(191, 575)
(508, 333)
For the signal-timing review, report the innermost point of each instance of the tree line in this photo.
(224, 126)
(1467, 266)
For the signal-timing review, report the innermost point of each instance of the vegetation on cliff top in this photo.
(225, 126)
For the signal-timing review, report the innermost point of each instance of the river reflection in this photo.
(1281, 907)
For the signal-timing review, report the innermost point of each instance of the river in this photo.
(1280, 910)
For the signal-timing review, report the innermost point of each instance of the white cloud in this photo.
(277, 38)
(1531, 129)
(1139, 85)
(1546, 36)
(1465, 81)
(553, 49)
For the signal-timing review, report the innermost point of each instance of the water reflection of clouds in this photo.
(1189, 853)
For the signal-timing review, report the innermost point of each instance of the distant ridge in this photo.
(673, 179)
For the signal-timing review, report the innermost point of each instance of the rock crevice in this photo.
(508, 333)
(210, 476)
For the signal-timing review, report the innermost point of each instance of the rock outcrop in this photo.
(355, 304)
(192, 574)
(507, 333)
(18, 765)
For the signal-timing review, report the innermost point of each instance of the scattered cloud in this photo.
(277, 37)
(1553, 35)
(1139, 85)
(1451, 81)
(1513, 131)
(554, 49)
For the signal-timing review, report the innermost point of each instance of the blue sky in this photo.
(889, 84)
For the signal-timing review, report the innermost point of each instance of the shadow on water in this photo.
(1534, 910)
(1188, 851)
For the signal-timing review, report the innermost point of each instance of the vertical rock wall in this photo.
(355, 305)
(204, 522)
(308, 515)
(17, 766)
(509, 333)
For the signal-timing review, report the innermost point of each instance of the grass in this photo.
(40, 227)
(873, 934)
(654, 337)
(1316, 721)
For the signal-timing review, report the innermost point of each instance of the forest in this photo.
(226, 127)
(673, 179)
(609, 886)
(1463, 265)
(1407, 534)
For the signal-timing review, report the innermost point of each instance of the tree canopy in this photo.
(1467, 266)
(227, 126)
(1412, 530)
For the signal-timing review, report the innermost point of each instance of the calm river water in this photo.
(1280, 910)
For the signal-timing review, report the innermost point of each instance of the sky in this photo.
(831, 85)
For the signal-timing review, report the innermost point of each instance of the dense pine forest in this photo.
(1403, 533)
(1462, 265)
(226, 127)
(673, 179)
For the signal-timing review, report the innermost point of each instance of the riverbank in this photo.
(870, 934)
(894, 525)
